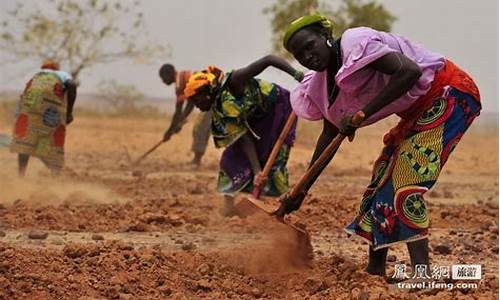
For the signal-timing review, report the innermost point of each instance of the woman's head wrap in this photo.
(50, 64)
(210, 78)
(305, 21)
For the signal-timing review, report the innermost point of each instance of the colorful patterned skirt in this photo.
(40, 125)
(236, 174)
(393, 208)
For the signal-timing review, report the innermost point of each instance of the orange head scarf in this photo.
(210, 78)
(50, 64)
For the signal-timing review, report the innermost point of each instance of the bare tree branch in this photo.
(78, 35)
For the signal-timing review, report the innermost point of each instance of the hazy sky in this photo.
(232, 33)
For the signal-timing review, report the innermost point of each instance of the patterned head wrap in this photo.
(210, 78)
(50, 64)
(304, 21)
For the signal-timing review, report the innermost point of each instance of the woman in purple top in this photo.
(371, 75)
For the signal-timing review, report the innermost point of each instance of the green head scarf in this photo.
(304, 21)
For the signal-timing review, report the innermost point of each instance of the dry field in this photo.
(102, 231)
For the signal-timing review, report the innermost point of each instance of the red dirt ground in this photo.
(157, 233)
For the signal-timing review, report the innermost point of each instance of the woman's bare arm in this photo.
(241, 76)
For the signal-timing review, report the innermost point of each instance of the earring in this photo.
(329, 43)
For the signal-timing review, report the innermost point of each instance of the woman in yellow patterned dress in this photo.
(248, 115)
(44, 110)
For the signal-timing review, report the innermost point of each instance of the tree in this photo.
(78, 33)
(350, 13)
(118, 97)
(124, 100)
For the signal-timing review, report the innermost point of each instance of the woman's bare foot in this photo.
(376, 261)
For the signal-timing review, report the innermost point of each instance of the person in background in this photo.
(44, 110)
(183, 108)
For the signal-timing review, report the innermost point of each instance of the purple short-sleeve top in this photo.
(359, 85)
